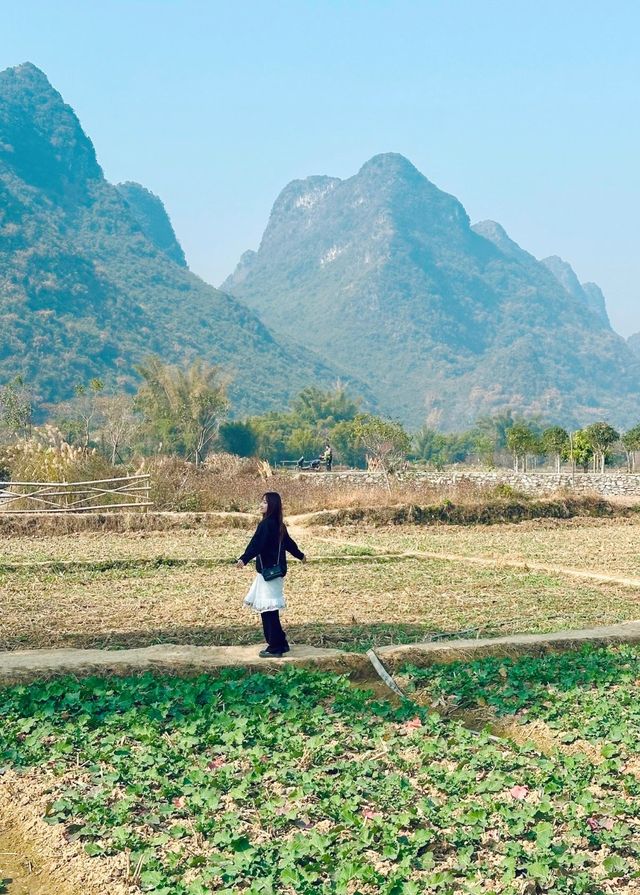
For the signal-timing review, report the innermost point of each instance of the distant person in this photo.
(300, 463)
(269, 546)
(327, 456)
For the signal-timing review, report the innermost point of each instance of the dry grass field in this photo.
(607, 546)
(125, 589)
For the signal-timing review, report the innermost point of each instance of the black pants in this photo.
(273, 633)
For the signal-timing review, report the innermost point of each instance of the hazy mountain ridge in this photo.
(87, 284)
(634, 343)
(380, 273)
(590, 293)
(150, 213)
(383, 273)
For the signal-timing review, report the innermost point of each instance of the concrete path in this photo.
(512, 645)
(27, 665)
(24, 665)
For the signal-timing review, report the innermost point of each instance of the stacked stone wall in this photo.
(608, 484)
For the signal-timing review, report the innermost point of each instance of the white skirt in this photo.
(264, 596)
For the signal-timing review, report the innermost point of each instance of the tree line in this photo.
(505, 437)
(185, 411)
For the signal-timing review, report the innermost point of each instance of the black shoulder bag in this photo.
(273, 571)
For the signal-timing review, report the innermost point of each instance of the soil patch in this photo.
(87, 594)
(39, 860)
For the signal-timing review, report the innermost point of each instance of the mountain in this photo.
(383, 274)
(92, 278)
(634, 343)
(589, 293)
(151, 215)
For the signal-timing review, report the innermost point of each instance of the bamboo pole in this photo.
(135, 487)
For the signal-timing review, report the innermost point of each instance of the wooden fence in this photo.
(75, 497)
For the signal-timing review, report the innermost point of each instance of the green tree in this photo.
(386, 442)
(521, 441)
(578, 450)
(302, 441)
(631, 443)
(323, 409)
(238, 438)
(484, 445)
(495, 428)
(346, 445)
(489, 435)
(315, 415)
(441, 449)
(182, 409)
(272, 430)
(601, 436)
(428, 445)
(554, 440)
(457, 447)
(16, 408)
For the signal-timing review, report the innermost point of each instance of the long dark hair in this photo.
(274, 510)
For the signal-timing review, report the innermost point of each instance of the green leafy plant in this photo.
(256, 783)
(589, 694)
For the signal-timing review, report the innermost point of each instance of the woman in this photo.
(269, 546)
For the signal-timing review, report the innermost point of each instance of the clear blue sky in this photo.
(528, 112)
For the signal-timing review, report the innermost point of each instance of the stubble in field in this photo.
(130, 590)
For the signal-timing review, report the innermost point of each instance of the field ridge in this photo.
(28, 665)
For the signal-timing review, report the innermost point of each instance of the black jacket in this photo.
(264, 547)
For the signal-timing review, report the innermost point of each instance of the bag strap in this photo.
(279, 552)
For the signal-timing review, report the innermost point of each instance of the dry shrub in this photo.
(227, 483)
(43, 525)
(172, 486)
(47, 457)
(508, 492)
(233, 484)
(484, 513)
(178, 486)
(229, 465)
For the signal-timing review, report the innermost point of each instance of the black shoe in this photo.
(287, 649)
(267, 654)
